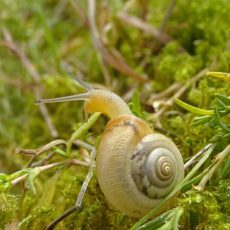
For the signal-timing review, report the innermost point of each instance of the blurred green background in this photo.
(41, 40)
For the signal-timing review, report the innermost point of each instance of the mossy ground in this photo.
(53, 34)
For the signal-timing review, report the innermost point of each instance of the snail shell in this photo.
(136, 169)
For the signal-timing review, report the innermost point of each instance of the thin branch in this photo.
(178, 94)
(167, 15)
(194, 158)
(144, 26)
(217, 161)
(49, 166)
(41, 168)
(11, 44)
(44, 160)
(62, 217)
(83, 187)
(81, 130)
(147, 28)
(39, 151)
(79, 11)
(158, 96)
(44, 148)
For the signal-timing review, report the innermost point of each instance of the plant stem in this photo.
(81, 130)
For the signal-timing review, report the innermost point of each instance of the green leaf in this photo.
(201, 120)
(222, 125)
(158, 221)
(60, 151)
(50, 185)
(33, 173)
(136, 105)
(193, 109)
(220, 75)
(223, 99)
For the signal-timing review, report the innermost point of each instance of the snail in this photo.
(136, 168)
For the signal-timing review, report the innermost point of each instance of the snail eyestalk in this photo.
(78, 97)
(85, 85)
(96, 100)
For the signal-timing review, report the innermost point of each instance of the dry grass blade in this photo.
(178, 94)
(144, 26)
(42, 149)
(164, 94)
(110, 57)
(11, 44)
(167, 15)
(36, 152)
(217, 161)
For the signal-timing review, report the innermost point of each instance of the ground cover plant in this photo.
(169, 60)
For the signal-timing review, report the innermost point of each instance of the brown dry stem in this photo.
(169, 102)
(216, 163)
(144, 26)
(167, 15)
(11, 44)
(49, 166)
(109, 56)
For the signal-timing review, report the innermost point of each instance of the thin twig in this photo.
(193, 159)
(39, 151)
(217, 161)
(62, 217)
(167, 15)
(178, 94)
(88, 176)
(81, 130)
(44, 160)
(82, 190)
(80, 12)
(171, 89)
(115, 59)
(11, 44)
(41, 169)
(49, 166)
(144, 26)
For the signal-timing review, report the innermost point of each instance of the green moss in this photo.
(222, 195)
(52, 34)
(202, 211)
(9, 206)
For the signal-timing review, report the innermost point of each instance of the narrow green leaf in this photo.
(193, 109)
(221, 75)
(176, 218)
(49, 190)
(31, 177)
(135, 104)
(201, 120)
(60, 151)
(80, 131)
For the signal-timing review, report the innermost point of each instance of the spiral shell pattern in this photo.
(156, 167)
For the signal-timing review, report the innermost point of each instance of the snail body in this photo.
(136, 168)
